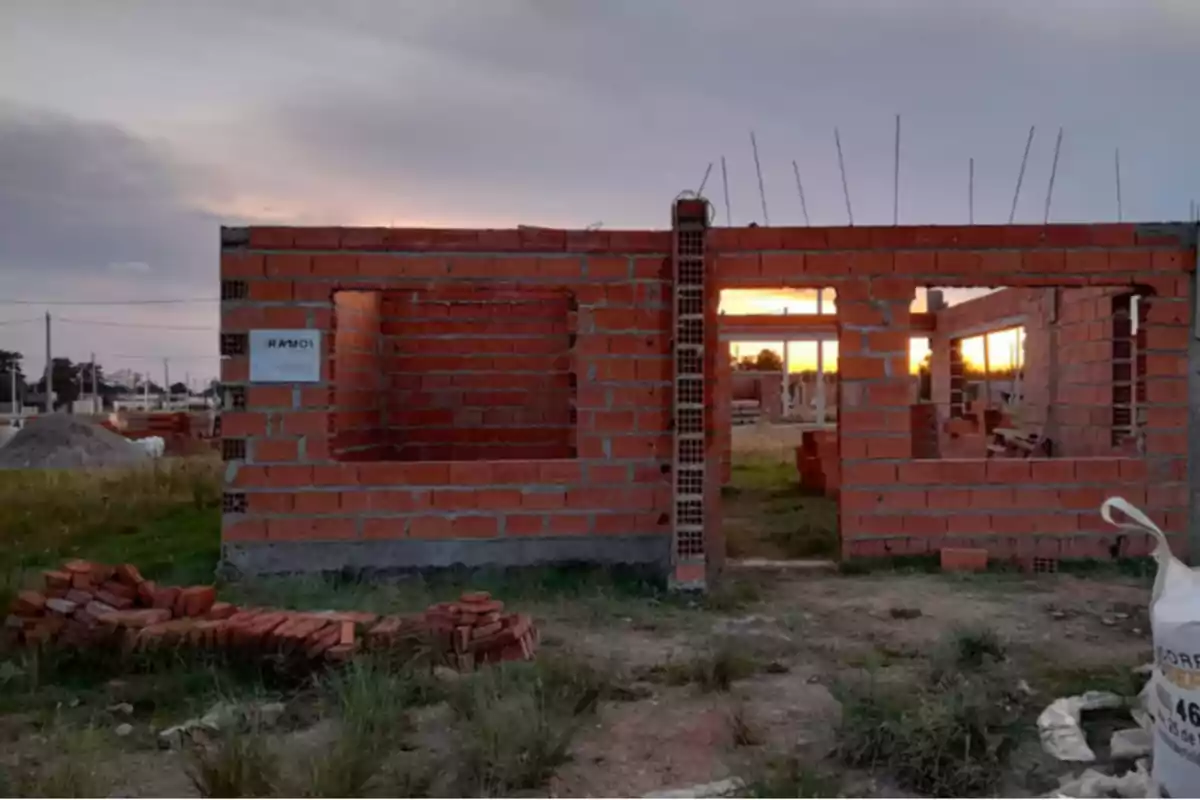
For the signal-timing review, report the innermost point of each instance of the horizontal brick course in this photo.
(442, 346)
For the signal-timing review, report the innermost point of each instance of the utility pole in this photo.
(12, 379)
(49, 404)
(95, 391)
(166, 385)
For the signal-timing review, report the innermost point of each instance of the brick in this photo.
(1052, 471)
(322, 641)
(98, 609)
(221, 610)
(79, 597)
(120, 589)
(115, 601)
(165, 597)
(129, 575)
(1008, 471)
(79, 567)
(61, 606)
(136, 617)
(57, 579)
(964, 559)
(29, 603)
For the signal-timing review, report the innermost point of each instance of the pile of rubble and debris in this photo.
(89, 604)
(65, 441)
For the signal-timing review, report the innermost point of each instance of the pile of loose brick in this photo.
(88, 604)
(818, 463)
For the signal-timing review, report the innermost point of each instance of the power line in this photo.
(20, 321)
(163, 301)
(161, 357)
(118, 324)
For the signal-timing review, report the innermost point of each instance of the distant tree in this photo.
(85, 378)
(66, 377)
(179, 388)
(10, 364)
(765, 361)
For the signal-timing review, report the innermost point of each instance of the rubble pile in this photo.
(89, 604)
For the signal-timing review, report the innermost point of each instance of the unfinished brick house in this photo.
(529, 396)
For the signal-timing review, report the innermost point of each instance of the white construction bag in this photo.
(1174, 687)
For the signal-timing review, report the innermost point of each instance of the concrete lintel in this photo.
(234, 237)
(1184, 233)
(991, 326)
(401, 555)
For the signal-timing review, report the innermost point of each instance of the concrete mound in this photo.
(62, 441)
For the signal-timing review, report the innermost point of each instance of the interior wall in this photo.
(478, 374)
(357, 414)
(1067, 362)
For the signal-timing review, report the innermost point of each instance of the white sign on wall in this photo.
(285, 356)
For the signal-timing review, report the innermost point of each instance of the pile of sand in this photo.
(63, 441)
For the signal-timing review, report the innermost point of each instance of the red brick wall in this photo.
(358, 429)
(1067, 384)
(887, 504)
(287, 486)
(593, 308)
(476, 373)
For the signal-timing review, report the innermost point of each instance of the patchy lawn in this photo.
(766, 514)
(870, 685)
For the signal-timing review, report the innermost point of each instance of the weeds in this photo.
(742, 730)
(949, 740)
(509, 740)
(515, 722)
(732, 594)
(712, 671)
(236, 764)
(74, 772)
(1051, 680)
(786, 776)
(769, 515)
(169, 681)
(972, 648)
(164, 517)
(373, 699)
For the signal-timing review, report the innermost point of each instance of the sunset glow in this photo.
(1005, 347)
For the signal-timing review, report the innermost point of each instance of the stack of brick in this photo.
(84, 602)
(818, 463)
(476, 631)
(925, 431)
(963, 439)
(89, 604)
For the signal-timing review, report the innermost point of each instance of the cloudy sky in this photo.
(130, 130)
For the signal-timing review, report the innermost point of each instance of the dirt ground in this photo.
(805, 633)
(686, 691)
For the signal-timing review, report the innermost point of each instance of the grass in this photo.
(514, 723)
(950, 736)
(712, 670)
(165, 518)
(1050, 679)
(373, 702)
(769, 515)
(786, 776)
(742, 730)
(162, 687)
(235, 764)
(74, 769)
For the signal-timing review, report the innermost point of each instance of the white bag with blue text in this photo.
(1174, 690)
